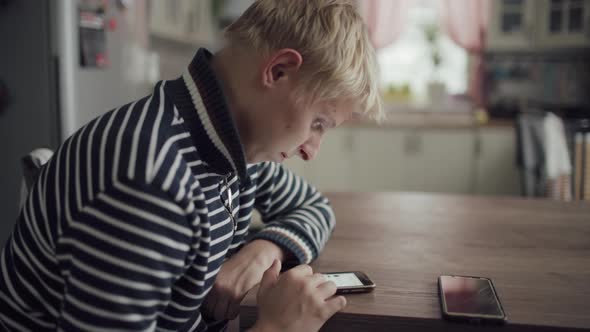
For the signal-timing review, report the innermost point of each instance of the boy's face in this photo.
(280, 127)
(288, 129)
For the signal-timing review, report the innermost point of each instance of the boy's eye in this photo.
(318, 125)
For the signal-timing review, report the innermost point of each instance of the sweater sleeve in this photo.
(120, 254)
(297, 217)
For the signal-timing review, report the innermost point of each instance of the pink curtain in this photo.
(385, 19)
(466, 22)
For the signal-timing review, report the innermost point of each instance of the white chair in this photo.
(31, 164)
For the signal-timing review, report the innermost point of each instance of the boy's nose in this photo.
(309, 150)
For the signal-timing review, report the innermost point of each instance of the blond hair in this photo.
(338, 59)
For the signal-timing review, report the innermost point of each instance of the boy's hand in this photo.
(237, 276)
(298, 300)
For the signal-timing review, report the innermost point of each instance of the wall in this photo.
(30, 121)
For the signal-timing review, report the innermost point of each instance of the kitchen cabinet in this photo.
(496, 171)
(528, 25)
(511, 24)
(564, 23)
(439, 160)
(464, 161)
(333, 167)
(378, 159)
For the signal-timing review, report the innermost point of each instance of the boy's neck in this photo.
(227, 67)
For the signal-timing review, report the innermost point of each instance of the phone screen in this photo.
(346, 279)
(473, 296)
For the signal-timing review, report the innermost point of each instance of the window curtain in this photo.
(466, 22)
(385, 20)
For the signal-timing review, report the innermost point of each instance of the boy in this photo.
(129, 223)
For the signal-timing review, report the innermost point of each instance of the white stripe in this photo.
(41, 189)
(164, 151)
(122, 127)
(31, 223)
(36, 295)
(241, 231)
(149, 198)
(209, 188)
(200, 283)
(29, 259)
(143, 251)
(245, 217)
(124, 264)
(195, 163)
(149, 174)
(136, 230)
(156, 219)
(57, 191)
(217, 211)
(171, 173)
(181, 307)
(78, 170)
(290, 236)
(89, 159)
(217, 256)
(280, 188)
(87, 327)
(135, 143)
(173, 319)
(249, 191)
(14, 324)
(96, 311)
(182, 185)
(212, 199)
(204, 117)
(136, 285)
(8, 283)
(292, 188)
(220, 224)
(212, 273)
(19, 309)
(189, 295)
(101, 160)
(197, 322)
(117, 299)
(269, 171)
(221, 238)
(186, 150)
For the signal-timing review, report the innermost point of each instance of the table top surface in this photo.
(537, 253)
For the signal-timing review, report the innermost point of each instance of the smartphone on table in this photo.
(351, 282)
(470, 299)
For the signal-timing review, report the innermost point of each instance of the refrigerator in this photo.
(63, 63)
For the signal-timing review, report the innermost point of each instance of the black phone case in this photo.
(467, 319)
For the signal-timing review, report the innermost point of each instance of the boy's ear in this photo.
(281, 65)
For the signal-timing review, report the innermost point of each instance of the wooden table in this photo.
(537, 252)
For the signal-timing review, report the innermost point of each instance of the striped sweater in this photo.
(128, 224)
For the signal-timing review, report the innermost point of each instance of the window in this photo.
(408, 64)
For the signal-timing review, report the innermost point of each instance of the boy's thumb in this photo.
(270, 276)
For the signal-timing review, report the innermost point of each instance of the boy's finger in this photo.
(269, 278)
(327, 289)
(335, 304)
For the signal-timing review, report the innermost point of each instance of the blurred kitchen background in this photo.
(483, 97)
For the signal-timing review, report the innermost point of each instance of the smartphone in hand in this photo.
(351, 282)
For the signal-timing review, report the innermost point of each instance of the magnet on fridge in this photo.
(112, 24)
(93, 48)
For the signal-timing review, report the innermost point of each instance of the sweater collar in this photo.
(202, 105)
